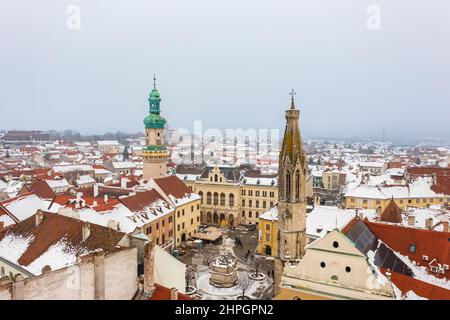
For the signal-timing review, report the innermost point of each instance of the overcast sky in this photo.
(228, 63)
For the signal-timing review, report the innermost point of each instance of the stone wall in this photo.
(121, 275)
(94, 276)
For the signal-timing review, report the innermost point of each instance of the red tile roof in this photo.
(172, 185)
(423, 289)
(39, 188)
(419, 171)
(346, 229)
(434, 244)
(30, 172)
(163, 293)
(442, 184)
(70, 201)
(141, 200)
(55, 227)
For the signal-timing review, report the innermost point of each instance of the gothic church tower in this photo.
(291, 190)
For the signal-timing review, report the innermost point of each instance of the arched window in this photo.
(288, 186)
(297, 185)
(201, 196)
(216, 178)
(231, 200)
(215, 199)
(222, 199)
(208, 198)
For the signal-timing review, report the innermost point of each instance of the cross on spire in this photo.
(292, 94)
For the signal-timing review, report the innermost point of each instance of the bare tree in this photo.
(243, 282)
(208, 256)
(256, 264)
(189, 275)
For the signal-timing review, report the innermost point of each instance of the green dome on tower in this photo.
(154, 119)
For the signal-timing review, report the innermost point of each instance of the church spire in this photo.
(291, 189)
(292, 94)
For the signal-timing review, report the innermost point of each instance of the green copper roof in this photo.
(154, 94)
(154, 120)
(154, 148)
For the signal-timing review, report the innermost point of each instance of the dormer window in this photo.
(412, 248)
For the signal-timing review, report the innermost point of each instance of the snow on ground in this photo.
(209, 292)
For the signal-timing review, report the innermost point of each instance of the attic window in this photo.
(425, 258)
(412, 248)
(335, 244)
(434, 269)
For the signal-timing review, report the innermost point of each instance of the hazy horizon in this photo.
(229, 64)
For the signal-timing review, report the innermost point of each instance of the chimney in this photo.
(86, 230)
(444, 225)
(95, 190)
(429, 223)
(359, 214)
(46, 269)
(123, 183)
(105, 198)
(173, 294)
(79, 194)
(2, 225)
(388, 274)
(411, 220)
(39, 216)
(149, 265)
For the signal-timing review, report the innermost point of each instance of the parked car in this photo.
(252, 227)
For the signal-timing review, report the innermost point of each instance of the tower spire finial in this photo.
(154, 81)
(292, 94)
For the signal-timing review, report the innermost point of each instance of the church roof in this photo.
(392, 213)
(292, 143)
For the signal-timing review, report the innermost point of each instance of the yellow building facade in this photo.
(380, 204)
(187, 221)
(229, 199)
(268, 233)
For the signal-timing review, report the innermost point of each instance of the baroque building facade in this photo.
(231, 195)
